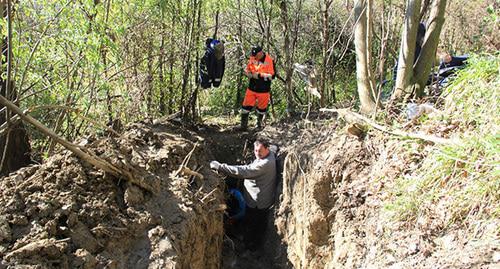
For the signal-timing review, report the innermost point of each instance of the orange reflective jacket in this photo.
(261, 73)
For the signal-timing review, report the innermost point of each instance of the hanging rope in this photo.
(216, 23)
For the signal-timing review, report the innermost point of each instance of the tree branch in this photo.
(80, 152)
(353, 117)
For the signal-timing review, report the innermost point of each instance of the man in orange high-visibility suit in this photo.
(260, 71)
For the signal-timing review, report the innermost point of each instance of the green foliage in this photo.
(474, 95)
(129, 59)
(219, 101)
(461, 180)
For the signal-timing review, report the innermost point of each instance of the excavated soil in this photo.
(66, 214)
(328, 212)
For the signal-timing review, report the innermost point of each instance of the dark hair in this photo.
(256, 50)
(262, 141)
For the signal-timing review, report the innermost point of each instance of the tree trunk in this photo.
(325, 47)
(104, 52)
(427, 55)
(171, 62)
(407, 50)
(187, 60)
(362, 37)
(384, 37)
(268, 26)
(149, 80)
(194, 95)
(161, 76)
(241, 59)
(288, 59)
(14, 144)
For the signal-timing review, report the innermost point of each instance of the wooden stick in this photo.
(85, 156)
(10, 122)
(353, 117)
(206, 196)
(185, 170)
(184, 163)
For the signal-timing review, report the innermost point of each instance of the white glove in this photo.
(266, 76)
(215, 165)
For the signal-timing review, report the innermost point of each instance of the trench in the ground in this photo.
(237, 148)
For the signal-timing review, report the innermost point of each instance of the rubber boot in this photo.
(260, 120)
(244, 122)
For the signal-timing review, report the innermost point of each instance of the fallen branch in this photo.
(80, 152)
(353, 117)
(41, 246)
(12, 121)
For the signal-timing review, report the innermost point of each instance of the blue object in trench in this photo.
(238, 213)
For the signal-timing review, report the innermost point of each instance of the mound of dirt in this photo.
(66, 214)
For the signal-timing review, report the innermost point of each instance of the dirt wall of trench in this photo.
(321, 202)
(331, 206)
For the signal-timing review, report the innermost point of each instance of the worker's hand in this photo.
(215, 165)
(266, 76)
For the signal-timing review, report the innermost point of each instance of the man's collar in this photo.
(263, 57)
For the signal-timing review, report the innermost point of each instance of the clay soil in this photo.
(329, 209)
(66, 214)
(331, 214)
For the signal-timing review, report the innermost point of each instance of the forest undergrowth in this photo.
(460, 179)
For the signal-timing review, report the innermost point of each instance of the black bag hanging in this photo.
(212, 64)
